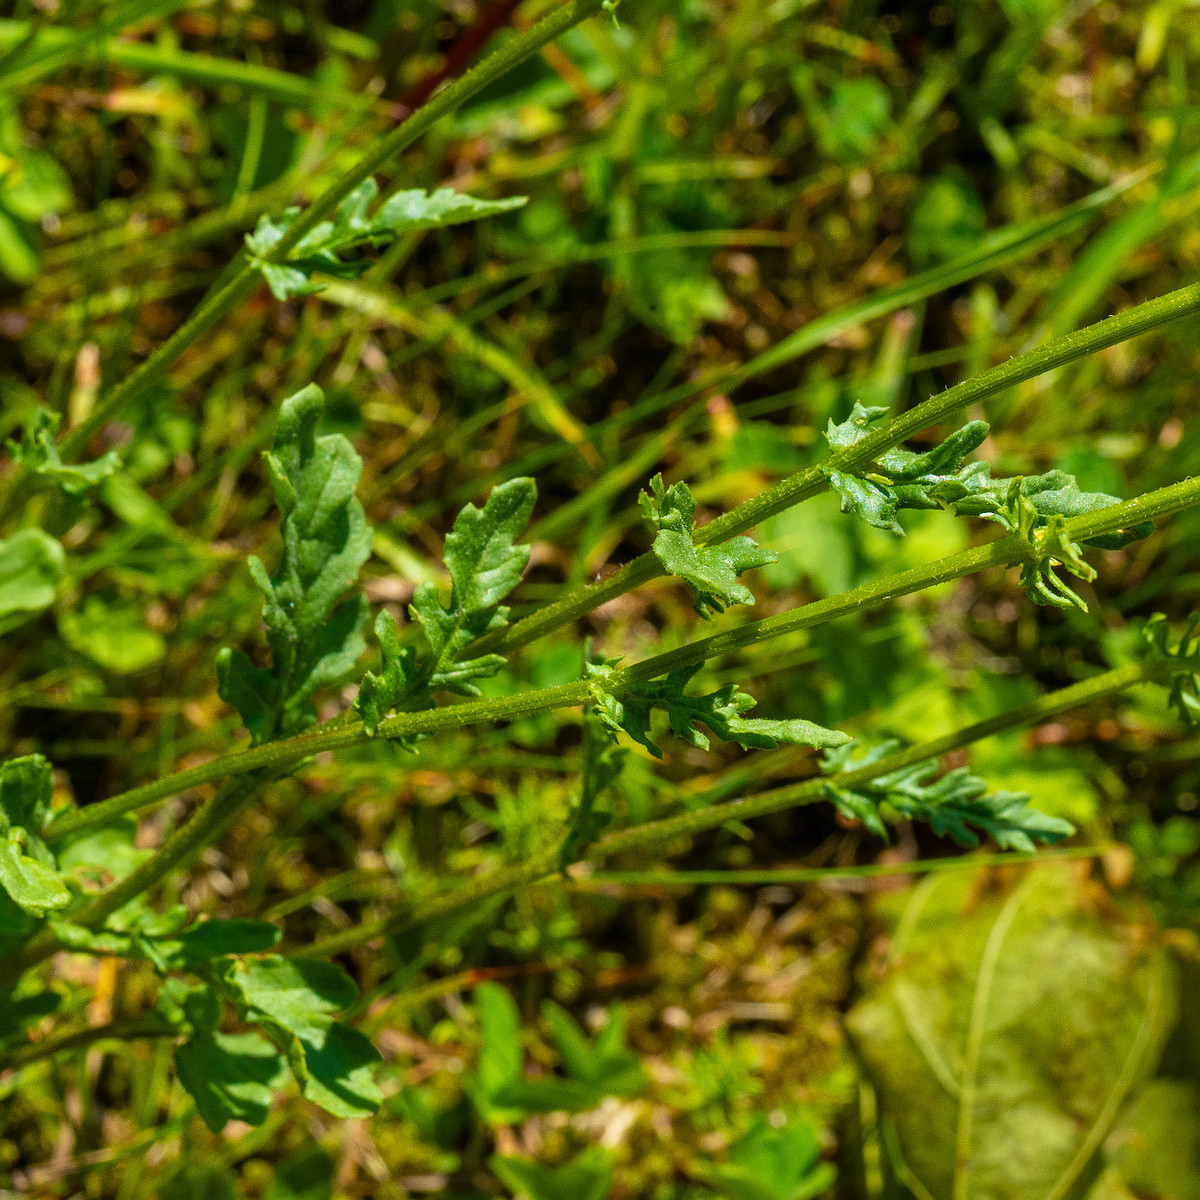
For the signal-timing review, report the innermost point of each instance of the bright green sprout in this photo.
(38, 452)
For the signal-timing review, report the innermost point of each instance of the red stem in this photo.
(462, 50)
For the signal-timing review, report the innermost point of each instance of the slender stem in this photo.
(784, 875)
(809, 791)
(197, 832)
(241, 279)
(813, 480)
(124, 1031)
(1004, 552)
(284, 753)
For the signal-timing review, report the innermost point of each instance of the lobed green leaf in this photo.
(957, 803)
(315, 635)
(484, 564)
(38, 452)
(322, 249)
(710, 571)
(720, 711)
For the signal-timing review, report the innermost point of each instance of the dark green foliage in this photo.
(1182, 660)
(292, 1001)
(721, 711)
(594, 1067)
(957, 803)
(27, 869)
(230, 1076)
(710, 571)
(208, 939)
(314, 634)
(775, 1163)
(200, 1181)
(160, 937)
(17, 1012)
(322, 249)
(307, 1175)
(588, 1176)
(38, 452)
(484, 566)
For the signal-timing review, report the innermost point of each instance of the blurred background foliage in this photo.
(743, 216)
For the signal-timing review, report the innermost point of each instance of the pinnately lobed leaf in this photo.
(957, 803)
(710, 571)
(720, 711)
(315, 635)
(1182, 659)
(485, 564)
(1033, 508)
(322, 249)
(939, 478)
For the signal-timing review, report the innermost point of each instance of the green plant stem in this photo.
(1003, 552)
(198, 831)
(809, 791)
(783, 875)
(285, 753)
(803, 485)
(282, 754)
(241, 279)
(139, 1027)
